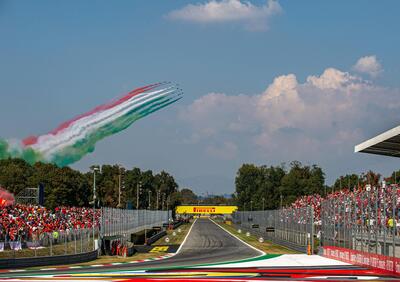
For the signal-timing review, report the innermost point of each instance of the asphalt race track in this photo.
(202, 257)
(206, 243)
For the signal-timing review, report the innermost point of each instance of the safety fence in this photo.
(117, 222)
(365, 221)
(118, 225)
(44, 244)
(290, 227)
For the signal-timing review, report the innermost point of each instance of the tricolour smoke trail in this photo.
(75, 138)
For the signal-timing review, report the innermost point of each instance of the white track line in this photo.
(184, 240)
(180, 247)
(247, 244)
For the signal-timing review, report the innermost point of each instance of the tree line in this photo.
(256, 187)
(65, 186)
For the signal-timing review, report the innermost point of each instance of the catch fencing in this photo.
(64, 242)
(290, 227)
(366, 221)
(119, 222)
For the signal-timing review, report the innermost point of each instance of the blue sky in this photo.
(254, 75)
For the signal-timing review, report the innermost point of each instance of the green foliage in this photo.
(14, 174)
(65, 186)
(301, 180)
(350, 181)
(258, 187)
(263, 187)
(188, 197)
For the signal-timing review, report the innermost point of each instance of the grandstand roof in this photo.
(387, 144)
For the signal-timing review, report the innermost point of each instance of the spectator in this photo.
(28, 222)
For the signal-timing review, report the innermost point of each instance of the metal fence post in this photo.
(376, 220)
(81, 239)
(393, 196)
(51, 244)
(65, 243)
(312, 230)
(384, 223)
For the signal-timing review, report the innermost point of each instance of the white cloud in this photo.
(233, 11)
(369, 65)
(321, 118)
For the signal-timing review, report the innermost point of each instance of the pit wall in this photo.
(382, 263)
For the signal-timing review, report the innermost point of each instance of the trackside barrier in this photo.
(116, 222)
(117, 225)
(45, 244)
(49, 260)
(378, 262)
(155, 237)
(293, 228)
(363, 220)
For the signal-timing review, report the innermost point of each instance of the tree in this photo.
(132, 184)
(258, 186)
(301, 180)
(14, 174)
(65, 186)
(188, 197)
(62, 186)
(349, 181)
(165, 185)
(394, 177)
(247, 177)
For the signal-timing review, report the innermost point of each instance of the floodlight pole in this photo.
(137, 194)
(119, 187)
(149, 199)
(94, 202)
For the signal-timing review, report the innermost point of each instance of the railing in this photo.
(65, 242)
(366, 221)
(293, 228)
(119, 222)
(116, 224)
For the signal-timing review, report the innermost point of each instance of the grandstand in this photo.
(386, 144)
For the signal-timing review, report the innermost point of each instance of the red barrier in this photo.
(377, 262)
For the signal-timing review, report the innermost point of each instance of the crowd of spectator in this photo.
(366, 205)
(28, 222)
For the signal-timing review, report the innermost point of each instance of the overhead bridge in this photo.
(206, 210)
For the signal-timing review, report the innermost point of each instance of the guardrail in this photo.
(49, 260)
(156, 237)
(293, 228)
(117, 222)
(364, 221)
(47, 244)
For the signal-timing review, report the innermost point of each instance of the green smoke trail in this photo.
(28, 154)
(75, 152)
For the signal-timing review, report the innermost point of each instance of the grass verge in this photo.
(267, 246)
(174, 240)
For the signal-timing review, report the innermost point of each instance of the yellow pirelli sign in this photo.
(206, 209)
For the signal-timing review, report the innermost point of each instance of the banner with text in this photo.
(375, 261)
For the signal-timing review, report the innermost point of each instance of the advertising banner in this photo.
(377, 262)
(206, 209)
